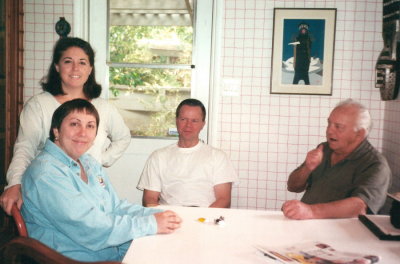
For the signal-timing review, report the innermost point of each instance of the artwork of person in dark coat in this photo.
(302, 54)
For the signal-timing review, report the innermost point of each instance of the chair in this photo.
(23, 249)
(28, 250)
(19, 221)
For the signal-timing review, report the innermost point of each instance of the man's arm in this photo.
(150, 198)
(346, 208)
(297, 181)
(222, 195)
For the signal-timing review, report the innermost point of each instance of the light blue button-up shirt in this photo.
(84, 221)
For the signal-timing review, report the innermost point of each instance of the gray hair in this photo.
(364, 118)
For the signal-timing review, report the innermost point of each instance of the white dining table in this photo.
(234, 241)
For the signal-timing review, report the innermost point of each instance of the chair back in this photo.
(19, 221)
(24, 249)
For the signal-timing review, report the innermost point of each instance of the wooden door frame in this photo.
(13, 97)
(14, 74)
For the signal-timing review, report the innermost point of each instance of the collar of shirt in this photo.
(192, 149)
(59, 154)
(364, 147)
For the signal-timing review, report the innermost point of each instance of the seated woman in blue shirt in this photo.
(70, 204)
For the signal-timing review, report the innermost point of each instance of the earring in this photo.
(56, 138)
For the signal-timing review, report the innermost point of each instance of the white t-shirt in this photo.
(186, 176)
(113, 136)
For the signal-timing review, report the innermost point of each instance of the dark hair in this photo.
(191, 102)
(79, 105)
(52, 82)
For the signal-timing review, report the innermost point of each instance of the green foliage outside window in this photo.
(152, 45)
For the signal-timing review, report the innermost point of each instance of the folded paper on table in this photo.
(315, 252)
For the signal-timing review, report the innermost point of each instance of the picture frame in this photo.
(303, 50)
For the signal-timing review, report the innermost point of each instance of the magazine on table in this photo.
(314, 252)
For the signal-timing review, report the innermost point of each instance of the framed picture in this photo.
(302, 51)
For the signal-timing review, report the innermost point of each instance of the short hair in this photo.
(79, 105)
(52, 81)
(191, 102)
(364, 118)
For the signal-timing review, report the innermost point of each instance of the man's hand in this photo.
(345, 208)
(10, 196)
(297, 181)
(167, 222)
(295, 209)
(314, 157)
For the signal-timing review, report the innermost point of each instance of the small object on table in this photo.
(220, 221)
(217, 221)
(203, 220)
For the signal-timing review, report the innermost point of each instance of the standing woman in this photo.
(71, 75)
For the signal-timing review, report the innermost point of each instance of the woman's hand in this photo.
(10, 196)
(167, 222)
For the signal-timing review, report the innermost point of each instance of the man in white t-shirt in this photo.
(189, 172)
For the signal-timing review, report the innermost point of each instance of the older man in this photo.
(188, 173)
(343, 177)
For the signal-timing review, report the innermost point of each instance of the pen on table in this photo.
(266, 254)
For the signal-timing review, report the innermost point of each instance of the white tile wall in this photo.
(40, 17)
(290, 125)
(266, 136)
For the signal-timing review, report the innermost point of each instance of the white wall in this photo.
(265, 135)
(125, 173)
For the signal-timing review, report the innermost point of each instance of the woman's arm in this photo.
(30, 140)
(117, 132)
(93, 221)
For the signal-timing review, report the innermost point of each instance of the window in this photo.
(150, 45)
(90, 22)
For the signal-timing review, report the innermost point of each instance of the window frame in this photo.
(89, 24)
